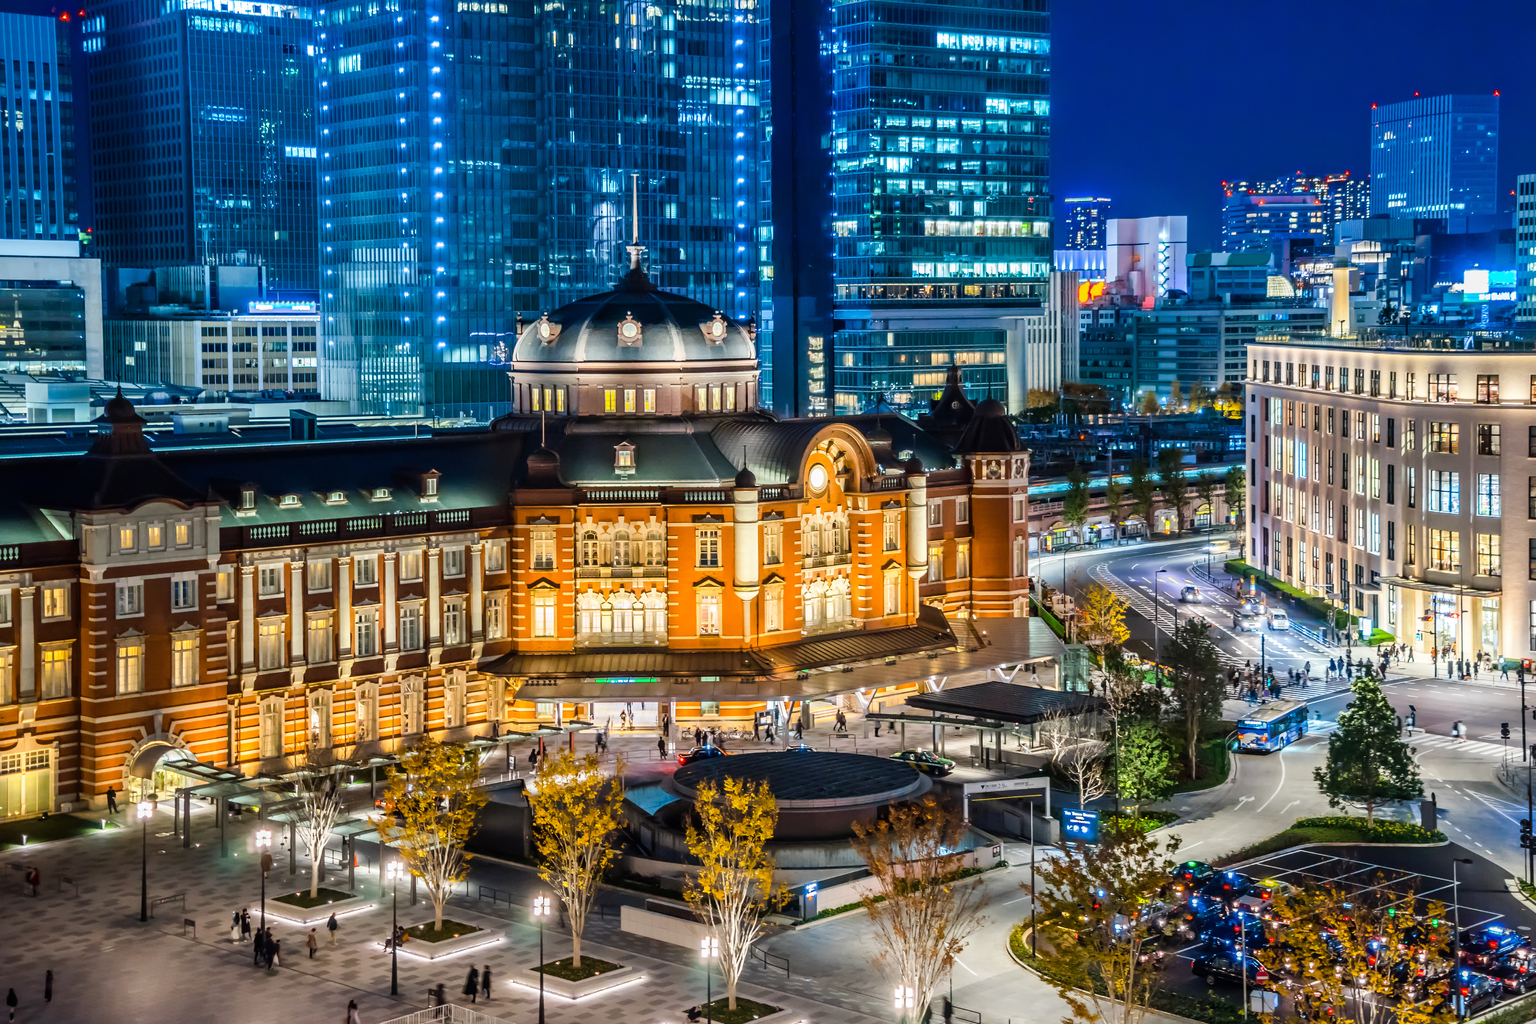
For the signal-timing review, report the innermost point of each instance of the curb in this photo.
(1310, 846)
(1147, 1011)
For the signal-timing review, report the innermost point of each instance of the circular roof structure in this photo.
(810, 780)
(635, 323)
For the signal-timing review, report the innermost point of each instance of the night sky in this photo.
(1154, 104)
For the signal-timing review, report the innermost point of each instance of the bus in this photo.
(1272, 726)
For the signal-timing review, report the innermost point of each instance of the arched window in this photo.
(812, 531)
(588, 551)
(839, 610)
(606, 623)
(655, 547)
(844, 545)
(587, 621)
(655, 604)
(814, 605)
(621, 549)
(624, 608)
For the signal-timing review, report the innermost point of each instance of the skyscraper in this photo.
(1082, 223)
(37, 149)
(941, 145)
(516, 134)
(1435, 156)
(203, 135)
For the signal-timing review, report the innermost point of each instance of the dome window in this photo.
(548, 330)
(624, 459)
(629, 332)
(714, 331)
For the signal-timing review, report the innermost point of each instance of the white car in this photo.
(1279, 620)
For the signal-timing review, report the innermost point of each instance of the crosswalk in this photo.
(1422, 741)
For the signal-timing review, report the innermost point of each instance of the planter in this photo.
(318, 915)
(575, 991)
(478, 937)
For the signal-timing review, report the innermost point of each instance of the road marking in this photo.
(1278, 788)
(1241, 801)
(962, 964)
(1288, 806)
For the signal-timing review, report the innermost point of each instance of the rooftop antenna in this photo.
(635, 248)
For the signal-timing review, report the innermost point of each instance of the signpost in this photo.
(1079, 826)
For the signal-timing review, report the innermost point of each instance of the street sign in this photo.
(1080, 826)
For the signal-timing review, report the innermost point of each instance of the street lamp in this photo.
(1456, 925)
(145, 809)
(541, 911)
(264, 847)
(709, 949)
(906, 999)
(1157, 636)
(392, 873)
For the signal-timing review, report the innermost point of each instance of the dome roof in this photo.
(634, 323)
(746, 478)
(989, 430)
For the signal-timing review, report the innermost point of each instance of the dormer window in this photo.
(624, 459)
(336, 498)
(548, 330)
(715, 329)
(429, 485)
(248, 499)
(629, 332)
(379, 494)
(288, 501)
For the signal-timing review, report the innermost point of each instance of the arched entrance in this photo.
(151, 772)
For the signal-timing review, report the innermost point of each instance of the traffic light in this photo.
(1504, 730)
(1525, 833)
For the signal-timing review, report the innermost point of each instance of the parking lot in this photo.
(1474, 894)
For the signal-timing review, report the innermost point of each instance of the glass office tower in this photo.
(461, 142)
(203, 135)
(37, 149)
(941, 145)
(1435, 156)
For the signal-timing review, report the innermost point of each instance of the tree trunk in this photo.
(1192, 735)
(314, 874)
(730, 993)
(575, 948)
(437, 910)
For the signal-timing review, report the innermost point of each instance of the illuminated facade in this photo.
(37, 103)
(625, 536)
(1082, 223)
(1435, 156)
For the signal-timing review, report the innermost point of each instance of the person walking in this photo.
(111, 800)
(234, 926)
(245, 923)
(352, 1015)
(441, 992)
(34, 879)
(10, 1003)
(274, 953)
(661, 748)
(332, 927)
(472, 983)
(48, 986)
(485, 982)
(311, 943)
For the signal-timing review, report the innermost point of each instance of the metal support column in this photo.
(293, 848)
(223, 812)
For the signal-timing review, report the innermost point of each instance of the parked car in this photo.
(1190, 595)
(700, 753)
(799, 748)
(1227, 886)
(1189, 876)
(926, 762)
(1515, 975)
(1490, 943)
(1279, 621)
(1226, 965)
(1471, 992)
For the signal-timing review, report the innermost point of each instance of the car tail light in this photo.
(1466, 991)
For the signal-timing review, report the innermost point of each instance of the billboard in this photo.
(1080, 826)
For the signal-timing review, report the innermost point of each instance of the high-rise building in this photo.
(520, 136)
(1525, 250)
(37, 148)
(1341, 197)
(1082, 223)
(203, 136)
(1435, 156)
(940, 140)
(1252, 220)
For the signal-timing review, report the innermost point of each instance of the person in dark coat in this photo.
(661, 748)
(245, 923)
(485, 983)
(111, 800)
(48, 987)
(10, 1003)
(472, 983)
(441, 992)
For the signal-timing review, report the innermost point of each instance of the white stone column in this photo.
(296, 614)
(391, 623)
(27, 681)
(476, 600)
(343, 608)
(744, 517)
(434, 602)
(248, 618)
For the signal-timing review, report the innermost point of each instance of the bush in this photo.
(1377, 832)
(1316, 605)
(1050, 618)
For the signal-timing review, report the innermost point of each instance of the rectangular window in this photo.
(269, 579)
(271, 728)
(317, 637)
(543, 549)
(709, 546)
(962, 510)
(1442, 387)
(1391, 484)
(709, 614)
(1412, 391)
(1488, 555)
(496, 616)
(1359, 380)
(544, 615)
(936, 513)
(183, 659)
(1373, 544)
(610, 400)
(1488, 503)
(495, 556)
(270, 650)
(1359, 426)
(1391, 539)
(773, 544)
(629, 400)
(1411, 482)
(1444, 492)
(1360, 528)
(891, 531)
(1391, 432)
(224, 584)
(453, 562)
(155, 536)
(1375, 383)
(55, 601)
(1488, 389)
(453, 622)
(1487, 439)
(410, 566)
(365, 640)
(183, 593)
(650, 400)
(962, 561)
(1359, 474)
(183, 534)
(410, 627)
(935, 563)
(127, 538)
(1445, 550)
(413, 719)
(130, 599)
(1410, 545)
(1375, 478)
(892, 594)
(1410, 435)
(130, 666)
(773, 608)
(365, 570)
(1445, 438)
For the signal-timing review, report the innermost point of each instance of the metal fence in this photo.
(451, 1013)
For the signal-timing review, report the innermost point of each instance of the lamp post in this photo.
(263, 861)
(709, 949)
(541, 911)
(1157, 636)
(393, 872)
(145, 809)
(906, 999)
(1456, 925)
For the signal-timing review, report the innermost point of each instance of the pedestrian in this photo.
(111, 800)
(274, 953)
(757, 728)
(10, 1003)
(661, 748)
(257, 944)
(331, 926)
(352, 1014)
(768, 733)
(234, 926)
(877, 728)
(48, 986)
(311, 943)
(441, 992)
(472, 983)
(533, 758)
(485, 983)
(245, 923)
(34, 879)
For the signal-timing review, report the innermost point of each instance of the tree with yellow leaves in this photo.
(734, 887)
(431, 804)
(576, 811)
(921, 918)
(1101, 619)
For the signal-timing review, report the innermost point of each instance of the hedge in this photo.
(1377, 831)
(1050, 619)
(1316, 605)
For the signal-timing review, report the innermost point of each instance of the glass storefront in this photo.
(26, 782)
(1489, 625)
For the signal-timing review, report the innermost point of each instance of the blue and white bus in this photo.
(1272, 726)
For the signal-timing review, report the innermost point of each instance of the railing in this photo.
(770, 961)
(838, 558)
(245, 536)
(449, 1013)
(706, 497)
(179, 897)
(494, 895)
(890, 483)
(622, 494)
